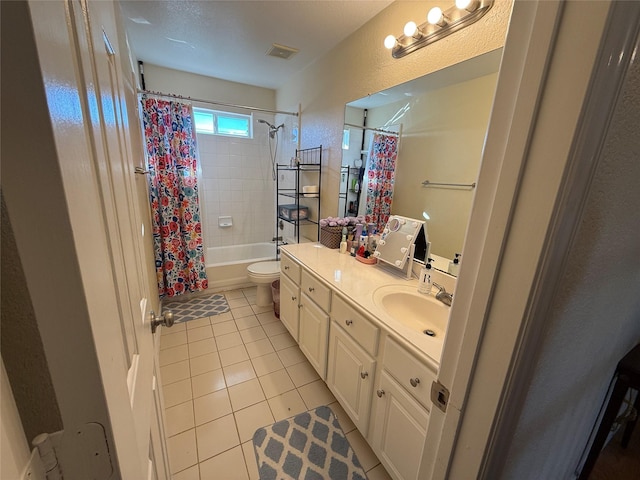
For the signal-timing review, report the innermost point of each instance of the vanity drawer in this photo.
(414, 376)
(290, 268)
(355, 324)
(316, 290)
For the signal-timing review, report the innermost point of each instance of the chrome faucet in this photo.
(442, 295)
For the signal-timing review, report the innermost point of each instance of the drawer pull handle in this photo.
(294, 298)
(380, 393)
(286, 267)
(363, 375)
(348, 322)
(414, 381)
(311, 289)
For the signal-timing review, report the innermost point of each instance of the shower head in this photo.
(264, 121)
(272, 128)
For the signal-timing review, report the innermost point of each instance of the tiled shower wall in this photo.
(236, 181)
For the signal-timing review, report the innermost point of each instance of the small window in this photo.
(213, 122)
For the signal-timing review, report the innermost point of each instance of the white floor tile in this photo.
(229, 340)
(191, 473)
(367, 458)
(174, 372)
(250, 460)
(259, 348)
(315, 394)
(344, 420)
(302, 373)
(179, 418)
(231, 294)
(291, 356)
(378, 473)
(252, 334)
(240, 312)
(233, 355)
(274, 328)
(216, 437)
(200, 322)
(223, 328)
(282, 341)
(249, 419)
(267, 317)
(208, 382)
(229, 465)
(245, 394)
(247, 322)
(173, 355)
(221, 317)
(204, 363)
(211, 406)
(175, 328)
(182, 451)
(276, 383)
(287, 405)
(202, 347)
(177, 392)
(238, 373)
(199, 333)
(237, 302)
(256, 309)
(266, 364)
(173, 340)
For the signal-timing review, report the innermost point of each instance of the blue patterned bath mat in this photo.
(309, 446)
(197, 307)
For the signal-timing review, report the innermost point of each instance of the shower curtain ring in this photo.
(140, 171)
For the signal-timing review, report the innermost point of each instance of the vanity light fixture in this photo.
(439, 24)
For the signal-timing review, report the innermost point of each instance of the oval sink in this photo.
(412, 309)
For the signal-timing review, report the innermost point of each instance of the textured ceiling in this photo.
(230, 39)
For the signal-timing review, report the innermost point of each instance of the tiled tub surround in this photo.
(379, 370)
(227, 375)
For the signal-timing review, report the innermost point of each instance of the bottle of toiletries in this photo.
(454, 265)
(425, 282)
(343, 243)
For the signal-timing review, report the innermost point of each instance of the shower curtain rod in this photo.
(212, 102)
(388, 132)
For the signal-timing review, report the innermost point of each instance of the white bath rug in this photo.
(197, 307)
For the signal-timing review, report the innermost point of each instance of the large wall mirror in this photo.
(440, 123)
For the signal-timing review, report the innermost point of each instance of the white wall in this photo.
(236, 177)
(361, 65)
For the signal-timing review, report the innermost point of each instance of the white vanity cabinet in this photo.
(290, 294)
(401, 411)
(314, 322)
(351, 364)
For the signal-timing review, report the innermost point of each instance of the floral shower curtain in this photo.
(381, 168)
(177, 232)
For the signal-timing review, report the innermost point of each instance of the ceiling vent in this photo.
(280, 51)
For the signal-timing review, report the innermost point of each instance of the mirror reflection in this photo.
(430, 129)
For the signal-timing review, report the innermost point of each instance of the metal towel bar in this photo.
(427, 183)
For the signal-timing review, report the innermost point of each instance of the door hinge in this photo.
(439, 395)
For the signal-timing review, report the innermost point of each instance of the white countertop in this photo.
(357, 282)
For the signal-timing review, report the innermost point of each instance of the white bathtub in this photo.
(227, 266)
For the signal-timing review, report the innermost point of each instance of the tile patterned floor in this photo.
(226, 375)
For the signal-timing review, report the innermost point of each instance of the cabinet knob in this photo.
(294, 298)
(380, 393)
(311, 289)
(300, 305)
(286, 267)
(414, 381)
(363, 375)
(348, 322)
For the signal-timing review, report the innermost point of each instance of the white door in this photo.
(314, 334)
(115, 276)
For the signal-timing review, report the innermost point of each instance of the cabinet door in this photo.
(350, 372)
(314, 335)
(399, 430)
(289, 302)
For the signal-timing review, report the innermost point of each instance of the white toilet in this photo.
(263, 274)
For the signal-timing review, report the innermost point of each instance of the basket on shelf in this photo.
(330, 237)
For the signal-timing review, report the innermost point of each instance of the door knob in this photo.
(414, 381)
(363, 375)
(380, 393)
(166, 320)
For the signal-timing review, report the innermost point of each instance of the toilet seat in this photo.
(264, 269)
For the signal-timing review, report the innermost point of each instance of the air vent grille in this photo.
(281, 51)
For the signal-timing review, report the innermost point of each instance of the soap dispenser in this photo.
(425, 282)
(343, 243)
(454, 265)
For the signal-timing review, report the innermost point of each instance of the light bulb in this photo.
(410, 29)
(390, 42)
(468, 5)
(435, 16)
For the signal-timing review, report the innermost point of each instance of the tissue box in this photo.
(293, 212)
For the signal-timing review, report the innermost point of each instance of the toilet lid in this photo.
(265, 268)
